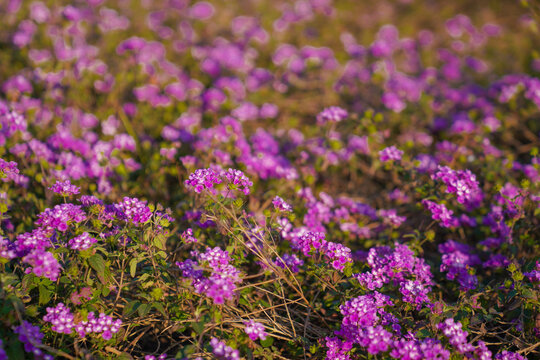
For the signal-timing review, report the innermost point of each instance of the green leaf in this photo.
(159, 307)
(44, 295)
(144, 309)
(160, 242)
(98, 264)
(133, 267)
(268, 342)
(198, 326)
(29, 281)
(131, 307)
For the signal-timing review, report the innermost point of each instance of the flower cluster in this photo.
(290, 260)
(440, 213)
(364, 321)
(43, 263)
(103, 324)
(237, 179)
(332, 114)
(59, 217)
(338, 254)
(255, 330)
(456, 336)
(134, 210)
(222, 351)
(7, 250)
(206, 179)
(281, 205)
(203, 179)
(82, 242)
(400, 267)
(187, 236)
(463, 183)
(235, 105)
(457, 261)
(31, 337)
(8, 170)
(508, 355)
(65, 188)
(61, 318)
(221, 283)
(534, 275)
(390, 153)
(152, 357)
(36, 240)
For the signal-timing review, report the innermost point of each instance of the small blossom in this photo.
(61, 318)
(203, 179)
(82, 242)
(222, 351)
(255, 330)
(65, 188)
(103, 324)
(390, 153)
(8, 170)
(134, 210)
(332, 114)
(281, 205)
(43, 263)
(188, 237)
(31, 337)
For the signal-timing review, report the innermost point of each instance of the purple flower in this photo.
(103, 324)
(60, 216)
(281, 205)
(65, 188)
(255, 330)
(332, 114)
(390, 153)
(202, 10)
(338, 255)
(457, 260)
(463, 183)
(82, 242)
(89, 200)
(221, 283)
(61, 319)
(7, 250)
(456, 336)
(508, 355)
(292, 261)
(222, 351)
(393, 102)
(237, 178)
(38, 239)
(3, 355)
(203, 179)
(134, 210)
(534, 275)
(188, 237)
(337, 349)
(395, 266)
(152, 357)
(43, 263)
(31, 337)
(440, 213)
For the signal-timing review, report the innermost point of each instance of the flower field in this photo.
(253, 179)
